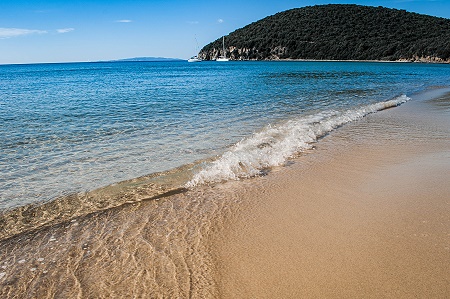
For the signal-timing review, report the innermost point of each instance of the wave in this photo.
(274, 145)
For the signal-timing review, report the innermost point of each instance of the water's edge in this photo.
(253, 156)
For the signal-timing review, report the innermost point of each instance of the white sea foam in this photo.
(275, 144)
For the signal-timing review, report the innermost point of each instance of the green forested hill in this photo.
(339, 32)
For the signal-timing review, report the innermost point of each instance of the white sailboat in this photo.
(224, 56)
(195, 58)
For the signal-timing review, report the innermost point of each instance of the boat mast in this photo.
(196, 43)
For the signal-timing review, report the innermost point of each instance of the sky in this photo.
(41, 31)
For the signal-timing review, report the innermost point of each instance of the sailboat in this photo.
(195, 58)
(224, 57)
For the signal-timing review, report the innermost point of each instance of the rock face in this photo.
(339, 32)
(428, 59)
(235, 53)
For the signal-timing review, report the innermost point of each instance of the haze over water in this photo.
(69, 128)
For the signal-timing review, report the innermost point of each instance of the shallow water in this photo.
(96, 135)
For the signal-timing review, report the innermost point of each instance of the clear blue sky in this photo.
(81, 30)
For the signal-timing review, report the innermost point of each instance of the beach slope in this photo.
(366, 215)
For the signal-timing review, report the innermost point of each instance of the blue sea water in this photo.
(75, 127)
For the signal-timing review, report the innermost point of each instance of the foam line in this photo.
(275, 144)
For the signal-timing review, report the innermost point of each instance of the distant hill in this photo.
(149, 59)
(339, 32)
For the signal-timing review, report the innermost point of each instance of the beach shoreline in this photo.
(363, 214)
(366, 217)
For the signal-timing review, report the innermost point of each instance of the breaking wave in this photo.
(275, 144)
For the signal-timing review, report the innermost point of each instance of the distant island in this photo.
(152, 59)
(339, 32)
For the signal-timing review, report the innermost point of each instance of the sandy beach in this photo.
(365, 214)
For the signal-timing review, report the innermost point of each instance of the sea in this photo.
(103, 133)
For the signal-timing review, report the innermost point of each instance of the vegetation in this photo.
(339, 32)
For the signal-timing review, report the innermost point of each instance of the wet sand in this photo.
(364, 215)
